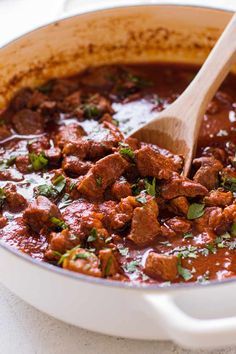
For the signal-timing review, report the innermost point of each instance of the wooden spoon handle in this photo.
(193, 102)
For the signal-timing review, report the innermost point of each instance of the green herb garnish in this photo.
(65, 201)
(98, 181)
(2, 197)
(93, 235)
(126, 151)
(59, 223)
(228, 183)
(39, 161)
(139, 81)
(150, 187)
(233, 230)
(108, 266)
(131, 267)
(91, 111)
(85, 255)
(124, 251)
(59, 183)
(183, 272)
(188, 235)
(141, 199)
(46, 190)
(195, 211)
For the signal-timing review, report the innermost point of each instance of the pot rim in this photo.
(86, 278)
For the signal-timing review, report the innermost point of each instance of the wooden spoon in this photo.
(177, 127)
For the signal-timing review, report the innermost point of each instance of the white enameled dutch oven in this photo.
(192, 315)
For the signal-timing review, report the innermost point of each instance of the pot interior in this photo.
(122, 35)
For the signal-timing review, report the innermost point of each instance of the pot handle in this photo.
(187, 330)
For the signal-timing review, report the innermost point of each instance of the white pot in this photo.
(192, 315)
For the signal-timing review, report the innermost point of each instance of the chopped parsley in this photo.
(188, 235)
(233, 230)
(46, 190)
(72, 185)
(126, 151)
(150, 187)
(124, 251)
(185, 251)
(4, 164)
(109, 239)
(85, 255)
(229, 183)
(108, 266)
(65, 201)
(195, 211)
(139, 81)
(2, 197)
(51, 190)
(131, 267)
(98, 180)
(91, 111)
(141, 199)
(183, 272)
(59, 223)
(59, 183)
(38, 162)
(93, 235)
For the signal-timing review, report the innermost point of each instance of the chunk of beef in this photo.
(81, 217)
(116, 216)
(3, 222)
(61, 242)
(213, 219)
(180, 186)
(53, 155)
(15, 201)
(69, 133)
(230, 213)
(161, 266)
(219, 198)
(179, 225)
(79, 149)
(217, 153)
(72, 101)
(102, 76)
(121, 189)
(81, 261)
(39, 213)
(61, 88)
(94, 107)
(22, 163)
(133, 143)
(167, 232)
(73, 165)
(207, 174)
(178, 160)
(109, 263)
(179, 205)
(38, 145)
(28, 122)
(152, 163)
(145, 226)
(36, 100)
(101, 175)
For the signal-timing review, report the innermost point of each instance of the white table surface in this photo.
(24, 330)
